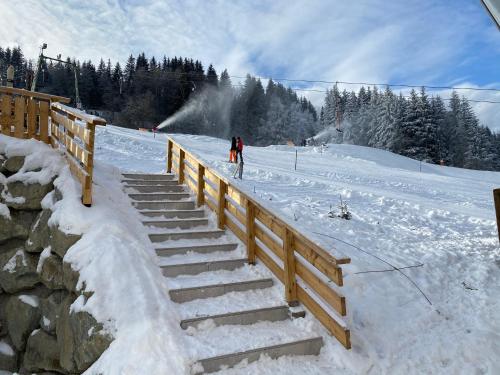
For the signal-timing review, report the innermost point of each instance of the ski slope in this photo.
(440, 218)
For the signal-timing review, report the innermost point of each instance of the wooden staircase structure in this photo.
(192, 248)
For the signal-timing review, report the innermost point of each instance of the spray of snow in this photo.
(210, 100)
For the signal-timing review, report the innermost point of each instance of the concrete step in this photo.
(155, 197)
(166, 205)
(174, 270)
(128, 182)
(176, 223)
(172, 214)
(150, 177)
(210, 291)
(189, 235)
(202, 249)
(269, 314)
(310, 346)
(155, 188)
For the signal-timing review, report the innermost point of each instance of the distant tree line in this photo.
(147, 91)
(420, 127)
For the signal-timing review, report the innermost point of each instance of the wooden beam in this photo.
(169, 155)
(289, 263)
(181, 166)
(33, 94)
(334, 299)
(200, 197)
(6, 115)
(31, 117)
(236, 212)
(44, 122)
(19, 111)
(233, 227)
(221, 204)
(250, 227)
(341, 333)
(77, 114)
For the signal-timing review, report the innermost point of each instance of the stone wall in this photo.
(39, 332)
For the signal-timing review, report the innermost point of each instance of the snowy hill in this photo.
(439, 219)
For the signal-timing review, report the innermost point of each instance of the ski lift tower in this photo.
(42, 57)
(493, 8)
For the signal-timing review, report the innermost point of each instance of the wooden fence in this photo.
(26, 114)
(306, 270)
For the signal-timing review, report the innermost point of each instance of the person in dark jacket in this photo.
(239, 149)
(232, 151)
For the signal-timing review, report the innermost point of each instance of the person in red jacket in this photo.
(239, 149)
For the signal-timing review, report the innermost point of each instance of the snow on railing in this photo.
(300, 264)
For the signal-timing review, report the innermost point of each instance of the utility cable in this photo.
(382, 260)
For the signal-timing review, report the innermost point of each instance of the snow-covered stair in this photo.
(231, 311)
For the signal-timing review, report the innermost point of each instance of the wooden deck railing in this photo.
(306, 270)
(27, 114)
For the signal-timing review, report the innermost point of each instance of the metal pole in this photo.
(496, 198)
(295, 159)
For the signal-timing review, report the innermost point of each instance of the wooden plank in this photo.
(192, 185)
(181, 166)
(269, 262)
(74, 113)
(233, 227)
(337, 301)
(330, 269)
(31, 119)
(221, 199)
(19, 111)
(211, 191)
(44, 122)
(33, 94)
(289, 263)
(267, 240)
(78, 130)
(236, 212)
(210, 203)
(270, 221)
(87, 187)
(6, 115)
(250, 227)
(211, 176)
(169, 156)
(193, 174)
(236, 196)
(200, 197)
(79, 153)
(341, 333)
(175, 159)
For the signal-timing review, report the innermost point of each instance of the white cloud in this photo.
(364, 40)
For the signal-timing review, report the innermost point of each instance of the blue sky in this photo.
(411, 41)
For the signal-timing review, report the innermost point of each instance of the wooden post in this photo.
(200, 197)
(182, 155)
(6, 116)
(250, 216)
(496, 198)
(221, 204)
(289, 263)
(169, 155)
(87, 187)
(19, 110)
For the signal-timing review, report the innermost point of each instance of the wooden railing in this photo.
(27, 114)
(306, 270)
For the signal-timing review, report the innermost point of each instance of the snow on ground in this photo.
(440, 217)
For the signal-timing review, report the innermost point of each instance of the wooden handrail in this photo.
(33, 94)
(266, 236)
(25, 114)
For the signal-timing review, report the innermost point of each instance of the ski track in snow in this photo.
(442, 217)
